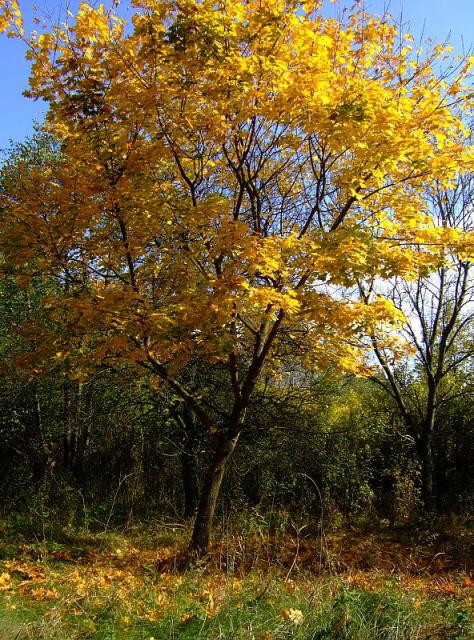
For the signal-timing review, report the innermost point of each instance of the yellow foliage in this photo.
(5, 581)
(11, 20)
(228, 174)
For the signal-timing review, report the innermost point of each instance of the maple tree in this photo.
(228, 172)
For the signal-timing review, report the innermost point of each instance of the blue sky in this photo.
(437, 18)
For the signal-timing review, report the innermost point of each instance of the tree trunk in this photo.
(186, 420)
(74, 442)
(68, 443)
(190, 482)
(427, 470)
(210, 492)
(426, 450)
(85, 404)
(42, 460)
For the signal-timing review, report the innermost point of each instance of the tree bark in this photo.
(68, 438)
(189, 475)
(76, 434)
(42, 460)
(426, 449)
(210, 492)
(427, 470)
(189, 433)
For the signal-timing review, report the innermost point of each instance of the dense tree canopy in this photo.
(228, 173)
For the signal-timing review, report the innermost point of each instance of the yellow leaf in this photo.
(5, 582)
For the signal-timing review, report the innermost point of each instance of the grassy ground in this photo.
(142, 587)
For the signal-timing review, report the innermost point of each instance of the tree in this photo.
(228, 172)
(439, 326)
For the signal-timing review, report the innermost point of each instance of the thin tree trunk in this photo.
(42, 463)
(83, 429)
(427, 470)
(186, 420)
(190, 482)
(426, 449)
(67, 426)
(75, 438)
(69, 443)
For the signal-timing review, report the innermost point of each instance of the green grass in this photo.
(351, 615)
(117, 588)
